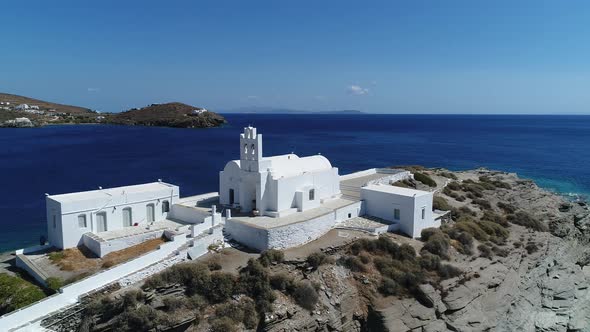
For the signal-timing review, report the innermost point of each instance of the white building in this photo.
(22, 107)
(270, 202)
(275, 186)
(34, 107)
(70, 216)
(409, 208)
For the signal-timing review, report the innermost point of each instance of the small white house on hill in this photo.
(70, 216)
(409, 208)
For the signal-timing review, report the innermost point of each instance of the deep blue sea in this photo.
(553, 150)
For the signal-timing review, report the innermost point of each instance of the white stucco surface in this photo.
(64, 211)
(382, 200)
(276, 185)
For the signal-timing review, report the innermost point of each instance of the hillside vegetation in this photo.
(174, 114)
(43, 105)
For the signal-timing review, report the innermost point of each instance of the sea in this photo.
(552, 150)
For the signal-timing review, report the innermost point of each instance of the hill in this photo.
(173, 114)
(15, 100)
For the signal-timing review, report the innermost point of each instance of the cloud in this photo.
(356, 90)
(93, 89)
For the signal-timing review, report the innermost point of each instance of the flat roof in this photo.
(396, 190)
(108, 192)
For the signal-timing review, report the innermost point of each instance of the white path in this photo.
(28, 318)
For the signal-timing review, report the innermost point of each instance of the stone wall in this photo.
(300, 233)
(291, 235)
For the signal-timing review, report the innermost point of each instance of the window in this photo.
(245, 148)
(396, 214)
(311, 194)
(350, 215)
(423, 213)
(253, 149)
(82, 221)
(165, 206)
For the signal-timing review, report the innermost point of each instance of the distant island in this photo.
(24, 112)
(271, 110)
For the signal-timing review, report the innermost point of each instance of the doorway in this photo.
(101, 222)
(150, 212)
(127, 217)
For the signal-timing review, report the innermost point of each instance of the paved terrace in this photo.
(162, 225)
(350, 185)
(265, 222)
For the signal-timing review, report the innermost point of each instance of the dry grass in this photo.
(83, 260)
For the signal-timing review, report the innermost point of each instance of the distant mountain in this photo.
(15, 100)
(271, 110)
(173, 114)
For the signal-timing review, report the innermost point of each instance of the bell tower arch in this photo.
(250, 150)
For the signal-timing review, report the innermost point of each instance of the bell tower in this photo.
(250, 149)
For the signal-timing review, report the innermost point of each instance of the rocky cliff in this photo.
(524, 267)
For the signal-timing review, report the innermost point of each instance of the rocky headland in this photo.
(24, 112)
(512, 257)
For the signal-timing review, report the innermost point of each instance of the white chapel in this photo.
(275, 186)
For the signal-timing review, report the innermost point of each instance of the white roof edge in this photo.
(396, 190)
(109, 191)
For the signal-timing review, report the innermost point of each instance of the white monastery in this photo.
(263, 202)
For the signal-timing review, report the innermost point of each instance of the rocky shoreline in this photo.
(536, 278)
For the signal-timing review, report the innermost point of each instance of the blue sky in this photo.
(377, 56)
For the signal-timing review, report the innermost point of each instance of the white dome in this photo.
(291, 164)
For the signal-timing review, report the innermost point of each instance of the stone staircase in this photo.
(350, 192)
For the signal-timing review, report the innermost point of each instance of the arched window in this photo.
(253, 149)
(245, 148)
(165, 206)
(311, 194)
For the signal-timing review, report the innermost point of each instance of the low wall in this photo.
(358, 174)
(103, 248)
(292, 235)
(300, 233)
(398, 176)
(187, 214)
(201, 245)
(33, 249)
(250, 236)
(69, 294)
(22, 262)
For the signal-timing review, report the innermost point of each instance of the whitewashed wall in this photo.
(68, 234)
(250, 236)
(290, 235)
(382, 204)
